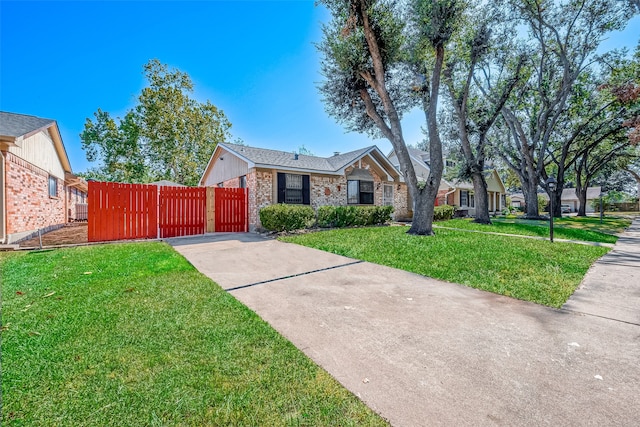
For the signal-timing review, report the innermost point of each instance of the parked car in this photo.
(566, 208)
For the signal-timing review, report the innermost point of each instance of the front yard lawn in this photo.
(533, 270)
(571, 228)
(133, 335)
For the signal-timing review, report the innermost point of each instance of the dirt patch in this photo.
(72, 233)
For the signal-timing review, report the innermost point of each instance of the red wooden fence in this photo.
(231, 210)
(136, 211)
(183, 211)
(122, 211)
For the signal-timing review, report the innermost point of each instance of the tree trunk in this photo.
(481, 198)
(581, 192)
(530, 191)
(423, 208)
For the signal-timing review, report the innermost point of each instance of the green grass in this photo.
(572, 228)
(533, 270)
(133, 335)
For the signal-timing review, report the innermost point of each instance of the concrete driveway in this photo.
(424, 352)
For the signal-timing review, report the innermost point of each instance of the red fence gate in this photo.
(136, 211)
(183, 211)
(231, 210)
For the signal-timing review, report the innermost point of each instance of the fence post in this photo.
(211, 209)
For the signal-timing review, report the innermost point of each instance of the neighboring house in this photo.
(517, 200)
(166, 183)
(458, 193)
(38, 190)
(569, 198)
(361, 177)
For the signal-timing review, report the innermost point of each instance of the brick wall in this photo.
(402, 211)
(29, 206)
(328, 190)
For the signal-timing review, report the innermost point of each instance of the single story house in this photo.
(456, 192)
(38, 190)
(568, 198)
(360, 177)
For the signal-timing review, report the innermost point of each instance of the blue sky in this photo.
(255, 60)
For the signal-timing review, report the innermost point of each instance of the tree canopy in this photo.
(166, 135)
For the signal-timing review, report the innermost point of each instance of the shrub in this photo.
(346, 216)
(443, 213)
(283, 217)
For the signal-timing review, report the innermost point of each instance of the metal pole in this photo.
(601, 209)
(551, 216)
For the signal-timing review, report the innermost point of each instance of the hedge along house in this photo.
(456, 193)
(38, 190)
(361, 177)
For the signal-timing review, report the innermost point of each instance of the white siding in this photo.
(225, 166)
(39, 150)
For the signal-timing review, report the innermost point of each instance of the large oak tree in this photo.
(381, 59)
(167, 135)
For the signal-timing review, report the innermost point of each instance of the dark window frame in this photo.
(363, 197)
(300, 195)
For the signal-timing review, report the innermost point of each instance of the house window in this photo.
(243, 181)
(293, 189)
(53, 186)
(360, 192)
(472, 201)
(464, 198)
(387, 195)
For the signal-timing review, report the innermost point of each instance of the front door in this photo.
(387, 195)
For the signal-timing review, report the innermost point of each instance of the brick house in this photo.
(38, 190)
(456, 192)
(361, 177)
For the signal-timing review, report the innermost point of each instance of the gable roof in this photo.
(14, 128)
(265, 157)
(14, 125)
(334, 165)
(570, 193)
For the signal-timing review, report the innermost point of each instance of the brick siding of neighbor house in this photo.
(29, 206)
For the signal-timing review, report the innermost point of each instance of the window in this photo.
(464, 198)
(360, 192)
(293, 189)
(243, 181)
(53, 186)
(387, 195)
(467, 199)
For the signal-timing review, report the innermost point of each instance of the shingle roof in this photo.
(263, 156)
(570, 193)
(16, 125)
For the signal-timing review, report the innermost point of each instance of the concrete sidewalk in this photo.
(611, 288)
(425, 352)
